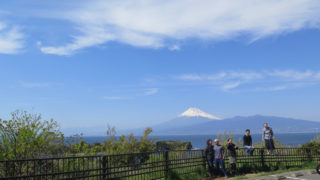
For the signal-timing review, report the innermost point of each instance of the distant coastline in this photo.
(198, 141)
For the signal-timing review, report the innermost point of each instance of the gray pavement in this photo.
(296, 175)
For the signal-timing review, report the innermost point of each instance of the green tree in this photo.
(314, 145)
(147, 144)
(224, 137)
(26, 135)
(129, 143)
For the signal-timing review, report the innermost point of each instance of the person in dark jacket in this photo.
(219, 154)
(247, 143)
(209, 154)
(232, 156)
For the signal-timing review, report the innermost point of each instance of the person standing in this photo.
(209, 154)
(219, 154)
(232, 156)
(247, 143)
(267, 136)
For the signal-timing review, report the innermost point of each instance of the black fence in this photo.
(149, 165)
(279, 158)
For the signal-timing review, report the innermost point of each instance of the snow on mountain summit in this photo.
(195, 112)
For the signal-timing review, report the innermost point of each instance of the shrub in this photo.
(26, 135)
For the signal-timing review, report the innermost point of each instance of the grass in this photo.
(197, 174)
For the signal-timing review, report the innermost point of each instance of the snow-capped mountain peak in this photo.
(195, 112)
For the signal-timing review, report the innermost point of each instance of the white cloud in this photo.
(158, 23)
(286, 86)
(229, 86)
(189, 77)
(151, 91)
(26, 84)
(221, 75)
(11, 39)
(294, 75)
(227, 75)
(97, 36)
(273, 88)
(39, 43)
(137, 93)
(174, 48)
(115, 98)
(278, 88)
(245, 75)
(35, 84)
(275, 80)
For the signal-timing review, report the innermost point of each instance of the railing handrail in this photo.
(157, 164)
(133, 153)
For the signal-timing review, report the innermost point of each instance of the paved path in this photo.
(296, 175)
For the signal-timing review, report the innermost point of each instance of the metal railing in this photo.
(148, 165)
(279, 158)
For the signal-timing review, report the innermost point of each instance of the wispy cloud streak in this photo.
(151, 91)
(35, 84)
(157, 24)
(274, 80)
(115, 98)
(135, 94)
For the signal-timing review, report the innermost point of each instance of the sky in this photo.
(128, 63)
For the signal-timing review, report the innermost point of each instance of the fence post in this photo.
(166, 165)
(203, 160)
(104, 167)
(262, 158)
(6, 170)
(309, 154)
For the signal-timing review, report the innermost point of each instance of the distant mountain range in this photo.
(196, 122)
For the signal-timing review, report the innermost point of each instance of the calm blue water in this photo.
(198, 141)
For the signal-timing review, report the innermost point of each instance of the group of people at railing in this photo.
(215, 153)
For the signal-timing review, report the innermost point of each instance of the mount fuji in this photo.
(197, 122)
(195, 112)
(190, 118)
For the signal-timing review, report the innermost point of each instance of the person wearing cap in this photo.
(247, 143)
(219, 155)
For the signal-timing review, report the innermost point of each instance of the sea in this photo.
(199, 141)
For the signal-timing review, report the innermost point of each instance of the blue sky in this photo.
(89, 63)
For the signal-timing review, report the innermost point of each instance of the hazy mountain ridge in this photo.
(196, 122)
(239, 124)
